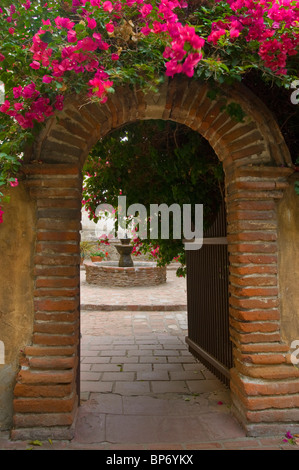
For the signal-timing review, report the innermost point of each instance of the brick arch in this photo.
(256, 163)
(257, 140)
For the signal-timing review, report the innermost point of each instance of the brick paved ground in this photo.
(141, 389)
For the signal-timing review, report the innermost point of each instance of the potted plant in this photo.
(85, 248)
(97, 255)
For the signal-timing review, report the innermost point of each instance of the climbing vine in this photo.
(52, 49)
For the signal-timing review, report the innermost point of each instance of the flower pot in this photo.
(96, 259)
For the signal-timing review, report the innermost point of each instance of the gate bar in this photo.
(201, 352)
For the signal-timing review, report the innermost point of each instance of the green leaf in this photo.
(36, 443)
(47, 37)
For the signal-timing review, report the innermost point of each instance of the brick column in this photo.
(46, 394)
(264, 384)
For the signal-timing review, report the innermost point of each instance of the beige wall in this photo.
(288, 238)
(16, 290)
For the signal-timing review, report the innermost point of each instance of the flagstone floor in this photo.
(141, 389)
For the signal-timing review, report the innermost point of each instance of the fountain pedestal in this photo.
(124, 250)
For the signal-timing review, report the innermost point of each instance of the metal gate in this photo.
(207, 300)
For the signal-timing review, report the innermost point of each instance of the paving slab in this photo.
(141, 389)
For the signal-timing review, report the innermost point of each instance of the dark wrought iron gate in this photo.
(207, 300)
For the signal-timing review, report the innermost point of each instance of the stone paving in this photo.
(141, 389)
(169, 296)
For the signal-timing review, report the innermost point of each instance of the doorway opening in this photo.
(140, 383)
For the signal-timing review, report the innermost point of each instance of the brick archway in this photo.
(256, 164)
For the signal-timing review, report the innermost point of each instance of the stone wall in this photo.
(114, 276)
(17, 238)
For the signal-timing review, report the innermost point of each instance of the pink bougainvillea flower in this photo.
(59, 102)
(114, 56)
(146, 10)
(5, 107)
(18, 106)
(107, 6)
(29, 91)
(71, 36)
(14, 183)
(47, 79)
(91, 23)
(109, 28)
(1, 216)
(2, 57)
(17, 91)
(35, 65)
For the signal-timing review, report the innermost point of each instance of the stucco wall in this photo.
(16, 291)
(288, 238)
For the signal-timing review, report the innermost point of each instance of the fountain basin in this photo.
(109, 274)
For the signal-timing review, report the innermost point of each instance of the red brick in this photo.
(244, 205)
(57, 282)
(240, 338)
(60, 225)
(252, 236)
(52, 351)
(251, 326)
(57, 317)
(44, 405)
(250, 270)
(250, 215)
(264, 348)
(47, 191)
(59, 213)
(56, 305)
(58, 236)
(45, 378)
(71, 292)
(259, 358)
(263, 403)
(49, 363)
(244, 141)
(254, 291)
(57, 260)
(50, 169)
(259, 388)
(268, 226)
(74, 203)
(22, 390)
(252, 248)
(55, 328)
(255, 315)
(253, 259)
(60, 248)
(35, 420)
(57, 271)
(248, 281)
(274, 372)
(253, 303)
(54, 340)
(37, 185)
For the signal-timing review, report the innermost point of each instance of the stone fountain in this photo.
(125, 272)
(124, 250)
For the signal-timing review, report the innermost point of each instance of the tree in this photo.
(154, 162)
(51, 49)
